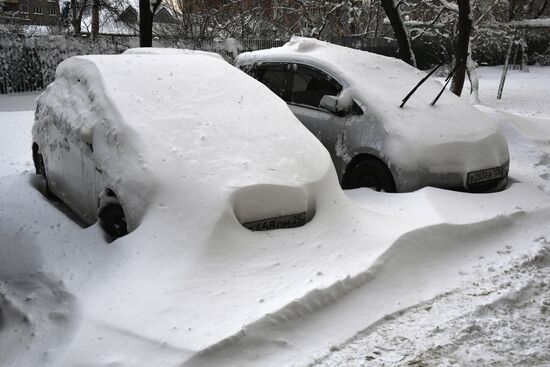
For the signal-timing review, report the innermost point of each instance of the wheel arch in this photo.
(107, 195)
(106, 200)
(361, 157)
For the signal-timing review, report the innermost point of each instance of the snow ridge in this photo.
(408, 246)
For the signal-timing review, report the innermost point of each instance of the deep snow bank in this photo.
(174, 293)
(498, 320)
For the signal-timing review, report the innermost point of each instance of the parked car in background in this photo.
(350, 100)
(115, 133)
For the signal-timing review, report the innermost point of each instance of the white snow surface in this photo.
(432, 277)
(168, 51)
(436, 138)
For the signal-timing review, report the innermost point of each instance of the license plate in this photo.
(286, 221)
(485, 175)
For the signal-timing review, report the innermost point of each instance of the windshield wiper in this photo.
(449, 78)
(419, 84)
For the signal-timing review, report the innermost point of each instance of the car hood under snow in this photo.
(418, 132)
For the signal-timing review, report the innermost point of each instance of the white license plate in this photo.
(485, 175)
(286, 221)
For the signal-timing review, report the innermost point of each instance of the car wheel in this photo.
(372, 173)
(41, 169)
(112, 219)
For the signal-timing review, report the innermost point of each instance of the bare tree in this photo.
(77, 11)
(403, 40)
(462, 45)
(147, 10)
(95, 18)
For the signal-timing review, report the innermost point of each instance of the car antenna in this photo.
(449, 78)
(419, 84)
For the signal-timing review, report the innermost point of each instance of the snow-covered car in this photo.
(113, 133)
(351, 99)
(168, 51)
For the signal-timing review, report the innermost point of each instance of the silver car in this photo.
(350, 100)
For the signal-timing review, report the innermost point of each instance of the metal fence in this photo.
(28, 63)
(23, 73)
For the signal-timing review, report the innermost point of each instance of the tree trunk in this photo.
(472, 76)
(461, 48)
(145, 24)
(523, 44)
(95, 18)
(403, 40)
(504, 70)
(75, 21)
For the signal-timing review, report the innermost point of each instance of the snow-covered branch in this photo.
(530, 23)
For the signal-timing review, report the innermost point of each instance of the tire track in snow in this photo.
(501, 321)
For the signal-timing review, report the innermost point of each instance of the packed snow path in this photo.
(452, 278)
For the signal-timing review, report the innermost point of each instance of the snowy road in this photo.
(465, 281)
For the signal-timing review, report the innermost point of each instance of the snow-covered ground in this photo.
(500, 315)
(441, 278)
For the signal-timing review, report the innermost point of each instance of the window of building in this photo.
(24, 8)
(51, 11)
(37, 10)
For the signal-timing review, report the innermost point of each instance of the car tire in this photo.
(370, 172)
(41, 169)
(113, 220)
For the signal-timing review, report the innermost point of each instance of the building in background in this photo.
(31, 12)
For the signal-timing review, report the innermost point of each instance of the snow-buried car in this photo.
(350, 100)
(115, 133)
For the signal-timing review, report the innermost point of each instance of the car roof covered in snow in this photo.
(187, 102)
(387, 77)
(168, 51)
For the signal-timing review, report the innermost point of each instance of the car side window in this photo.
(310, 85)
(277, 78)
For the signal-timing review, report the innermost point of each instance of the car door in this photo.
(277, 77)
(53, 152)
(79, 178)
(309, 85)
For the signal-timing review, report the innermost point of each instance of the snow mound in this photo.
(177, 128)
(192, 287)
(500, 320)
(302, 44)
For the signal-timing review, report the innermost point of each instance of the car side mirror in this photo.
(85, 134)
(336, 105)
(331, 103)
